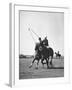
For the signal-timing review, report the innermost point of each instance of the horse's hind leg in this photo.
(51, 61)
(47, 63)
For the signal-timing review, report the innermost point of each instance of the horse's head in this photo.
(39, 47)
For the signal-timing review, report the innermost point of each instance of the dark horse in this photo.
(58, 55)
(43, 53)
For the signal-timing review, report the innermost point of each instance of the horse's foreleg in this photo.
(42, 62)
(37, 64)
(32, 63)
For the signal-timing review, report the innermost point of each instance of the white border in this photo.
(15, 47)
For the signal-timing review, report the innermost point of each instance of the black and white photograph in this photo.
(41, 44)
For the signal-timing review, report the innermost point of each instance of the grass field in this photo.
(42, 72)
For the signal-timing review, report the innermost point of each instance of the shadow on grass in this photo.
(56, 68)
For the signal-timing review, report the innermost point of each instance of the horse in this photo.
(43, 53)
(58, 55)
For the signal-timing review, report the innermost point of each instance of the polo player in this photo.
(40, 41)
(45, 42)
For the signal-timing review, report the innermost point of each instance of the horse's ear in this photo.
(55, 52)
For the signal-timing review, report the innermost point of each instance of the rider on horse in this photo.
(58, 52)
(37, 49)
(42, 52)
(40, 41)
(39, 46)
(45, 42)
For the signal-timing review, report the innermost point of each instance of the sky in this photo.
(50, 24)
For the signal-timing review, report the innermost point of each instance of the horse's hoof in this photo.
(36, 67)
(43, 66)
(47, 67)
(50, 63)
(30, 66)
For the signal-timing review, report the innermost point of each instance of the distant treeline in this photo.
(62, 57)
(26, 56)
